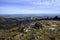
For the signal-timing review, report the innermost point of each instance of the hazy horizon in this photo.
(29, 15)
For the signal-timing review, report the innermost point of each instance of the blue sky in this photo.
(29, 6)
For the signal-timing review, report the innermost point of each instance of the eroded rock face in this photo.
(38, 25)
(32, 38)
(2, 38)
(52, 38)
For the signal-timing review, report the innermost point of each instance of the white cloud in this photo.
(57, 3)
(35, 2)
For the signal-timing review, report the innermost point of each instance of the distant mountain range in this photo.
(29, 15)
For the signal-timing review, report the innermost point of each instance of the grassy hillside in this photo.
(29, 30)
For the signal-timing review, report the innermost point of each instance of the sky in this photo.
(29, 6)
